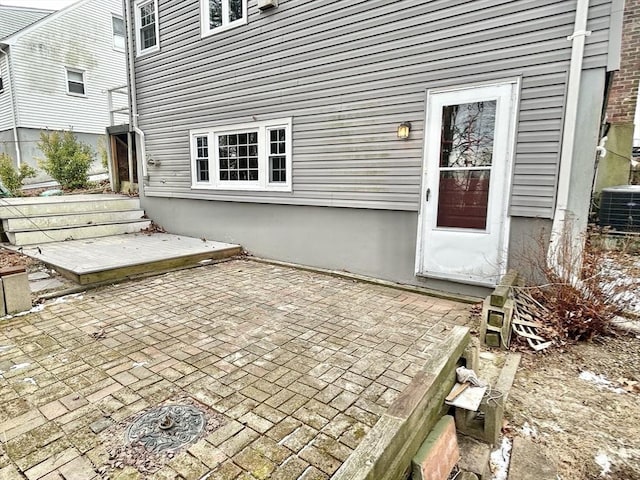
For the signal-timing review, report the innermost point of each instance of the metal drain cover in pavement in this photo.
(167, 428)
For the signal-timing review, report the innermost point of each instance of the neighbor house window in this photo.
(117, 25)
(1, 85)
(253, 156)
(147, 36)
(75, 82)
(219, 15)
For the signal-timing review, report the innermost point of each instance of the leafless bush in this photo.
(584, 289)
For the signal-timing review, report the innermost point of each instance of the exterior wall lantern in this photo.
(403, 130)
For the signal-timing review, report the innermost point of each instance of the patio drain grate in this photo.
(167, 428)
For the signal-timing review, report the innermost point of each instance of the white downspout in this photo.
(14, 110)
(133, 102)
(559, 228)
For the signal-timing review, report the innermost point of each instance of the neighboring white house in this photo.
(55, 70)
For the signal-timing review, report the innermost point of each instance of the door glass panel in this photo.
(466, 156)
(463, 199)
(467, 134)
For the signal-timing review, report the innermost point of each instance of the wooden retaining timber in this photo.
(387, 450)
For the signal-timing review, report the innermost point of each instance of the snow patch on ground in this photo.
(68, 298)
(41, 306)
(500, 460)
(19, 366)
(529, 430)
(604, 463)
(600, 381)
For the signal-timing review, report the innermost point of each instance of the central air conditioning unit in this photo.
(620, 208)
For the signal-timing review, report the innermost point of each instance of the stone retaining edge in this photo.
(386, 451)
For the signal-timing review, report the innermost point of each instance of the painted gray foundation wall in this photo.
(528, 243)
(7, 143)
(30, 152)
(375, 243)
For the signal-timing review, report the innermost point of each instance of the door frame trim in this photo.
(511, 146)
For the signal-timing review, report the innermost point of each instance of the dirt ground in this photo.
(589, 431)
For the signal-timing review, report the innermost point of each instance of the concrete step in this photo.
(69, 220)
(474, 457)
(529, 462)
(42, 206)
(75, 233)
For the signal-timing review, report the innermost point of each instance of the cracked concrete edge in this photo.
(94, 286)
(374, 281)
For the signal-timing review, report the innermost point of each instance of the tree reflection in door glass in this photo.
(466, 156)
(467, 134)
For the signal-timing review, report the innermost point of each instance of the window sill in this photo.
(205, 32)
(242, 188)
(78, 95)
(142, 53)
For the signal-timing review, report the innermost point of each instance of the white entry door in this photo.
(464, 225)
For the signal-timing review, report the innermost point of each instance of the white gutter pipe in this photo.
(133, 102)
(14, 110)
(560, 228)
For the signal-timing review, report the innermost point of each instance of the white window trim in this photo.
(138, 24)
(84, 81)
(206, 31)
(263, 183)
(113, 33)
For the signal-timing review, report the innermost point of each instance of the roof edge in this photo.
(44, 20)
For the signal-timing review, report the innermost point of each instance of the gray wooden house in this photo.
(428, 142)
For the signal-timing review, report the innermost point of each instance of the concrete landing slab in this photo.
(117, 257)
(529, 463)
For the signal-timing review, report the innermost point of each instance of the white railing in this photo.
(114, 98)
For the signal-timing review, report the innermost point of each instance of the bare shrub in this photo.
(584, 289)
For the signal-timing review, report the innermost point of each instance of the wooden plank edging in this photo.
(386, 451)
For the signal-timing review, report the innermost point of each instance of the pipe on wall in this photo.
(133, 103)
(561, 222)
(14, 110)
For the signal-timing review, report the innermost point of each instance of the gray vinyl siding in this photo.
(349, 72)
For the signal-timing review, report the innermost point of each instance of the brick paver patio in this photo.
(301, 364)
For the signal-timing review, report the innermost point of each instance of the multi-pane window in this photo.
(238, 157)
(202, 158)
(147, 26)
(117, 25)
(277, 155)
(255, 156)
(219, 15)
(75, 82)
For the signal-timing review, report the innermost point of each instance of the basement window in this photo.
(253, 156)
(75, 82)
(219, 15)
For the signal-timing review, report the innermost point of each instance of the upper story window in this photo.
(253, 156)
(75, 82)
(1, 85)
(147, 36)
(220, 15)
(117, 25)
